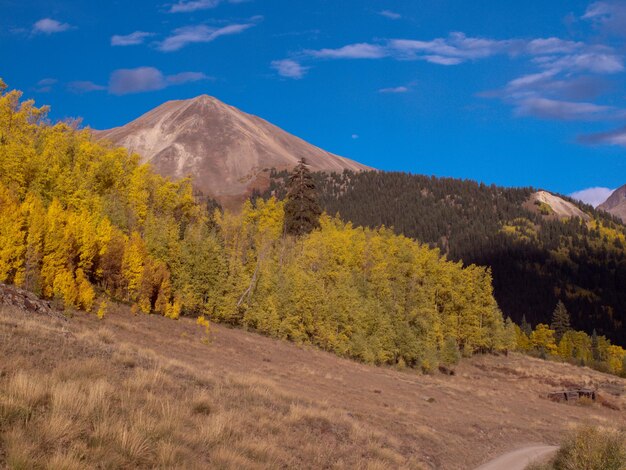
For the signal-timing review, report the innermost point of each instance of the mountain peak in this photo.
(616, 203)
(227, 152)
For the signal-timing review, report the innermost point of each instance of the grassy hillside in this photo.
(536, 259)
(146, 392)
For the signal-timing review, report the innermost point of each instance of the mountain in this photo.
(550, 205)
(541, 247)
(226, 151)
(616, 203)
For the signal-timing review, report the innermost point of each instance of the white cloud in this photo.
(187, 6)
(186, 77)
(457, 46)
(392, 15)
(552, 46)
(397, 89)
(45, 85)
(615, 137)
(132, 39)
(596, 62)
(289, 68)
(594, 196)
(351, 51)
(441, 60)
(142, 79)
(83, 86)
(608, 16)
(199, 34)
(546, 108)
(50, 26)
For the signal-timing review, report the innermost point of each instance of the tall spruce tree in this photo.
(560, 321)
(302, 211)
(526, 327)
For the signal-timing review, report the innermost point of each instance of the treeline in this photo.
(535, 259)
(81, 221)
(559, 341)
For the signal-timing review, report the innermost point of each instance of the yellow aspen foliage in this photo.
(615, 359)
(65, 289)
(542, 339)
(102, 309)
(55, 250)
(204, 323)
(86, 293)
(173, 309)
(523, 341)
(133, 265)
(12, 243)
(138, 193)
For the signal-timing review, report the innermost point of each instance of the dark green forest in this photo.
(536, 258)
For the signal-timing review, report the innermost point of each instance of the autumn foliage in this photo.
(82, 221)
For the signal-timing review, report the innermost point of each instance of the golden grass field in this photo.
(148, 392)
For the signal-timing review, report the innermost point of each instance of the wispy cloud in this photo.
(615, 137)
(566, 76)
(50, 26)
(45, 85)
(289, 68)
(457, 46)
(132, 39)
(142, 79)
(351, 51)
(546, 108)
(593, 196)
(181, 37)
(397, 89)
(608, 16)
(186, 6)
(84, 86)
(392, 15)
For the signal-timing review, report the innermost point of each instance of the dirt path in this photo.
(519, 459)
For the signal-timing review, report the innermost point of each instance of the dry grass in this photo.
(106, 405)
(147, 392)
(589, 448)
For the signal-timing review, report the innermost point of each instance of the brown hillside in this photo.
(164, 397)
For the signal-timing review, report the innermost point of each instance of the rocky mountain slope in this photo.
(225, 151)
(548, 204)
(616, 203)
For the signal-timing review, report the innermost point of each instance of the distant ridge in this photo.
(226, 152)
(616, 203)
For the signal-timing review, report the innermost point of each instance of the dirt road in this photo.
(519, 459)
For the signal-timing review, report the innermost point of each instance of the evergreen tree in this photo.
(595, 350)
(450, 354)
(526, 327)
(302, 211)
(560, 321)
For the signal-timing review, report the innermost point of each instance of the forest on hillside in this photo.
(535, 259)
(84, 223)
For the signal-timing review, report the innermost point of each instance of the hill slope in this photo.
(616, 203)
(536, 255)
(224, 149)
(247, 401)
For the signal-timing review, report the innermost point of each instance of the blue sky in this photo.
(512, 93)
